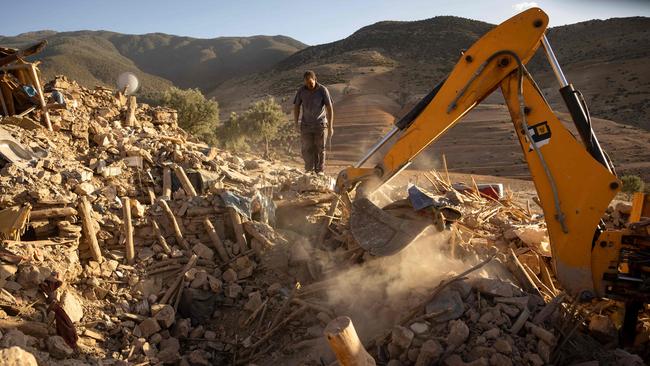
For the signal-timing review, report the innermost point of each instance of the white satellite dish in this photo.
(128, 83)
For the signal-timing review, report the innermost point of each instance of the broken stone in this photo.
(169, 351)
(215, 284)
(492, 333)
(7, 270)
(199, 358)
(72, 306)
(402, 337)
(245, 273)
(229, 275)
(449, 302)
(493, 287)
(16, 356)
(233, 290)
(137, 209)
(503, 346)
(203, 251)
(624, 207)
(200, 280)
(31, 276)
(57, 347)
(149, 350)
(541, 333)
(13, 337)
(274, 288)
(147, 327)
(84, 189)
(197, 332)
(254, 301)
(182, 328)
(464, 288)
(458, 333)
(429, 354)
(413, 354)
(419, 328)
(164, 314)
(210, 335)
(534, 359)
(498, 359)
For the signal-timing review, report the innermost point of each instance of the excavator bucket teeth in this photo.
(380, 233)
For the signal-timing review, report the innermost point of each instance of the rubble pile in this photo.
(127, 241)
(515, 313)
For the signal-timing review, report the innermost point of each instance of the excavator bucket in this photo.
(379, 232)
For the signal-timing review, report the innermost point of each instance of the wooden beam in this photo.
(345, 343)
(41, 97)
(130, 111)
(185, 181)
(49, 213)
(88, 229)
(160, 237)
(128, 229)
(216, 241)
(172, 220)
(239, 229)
(167, 183)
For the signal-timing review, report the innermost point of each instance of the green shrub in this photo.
(263, 121)
(196, 114)
(231, 134)
(632, 183)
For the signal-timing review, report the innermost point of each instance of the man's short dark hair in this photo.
(309, 74)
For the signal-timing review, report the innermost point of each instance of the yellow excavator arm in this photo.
(574, 180)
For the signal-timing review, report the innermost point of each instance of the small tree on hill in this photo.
(262, 121)
(196, 114)
(231, 134)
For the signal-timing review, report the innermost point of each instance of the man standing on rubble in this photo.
(317, 116)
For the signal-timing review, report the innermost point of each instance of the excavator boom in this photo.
(575, 183)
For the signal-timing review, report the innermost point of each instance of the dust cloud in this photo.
(377, 292)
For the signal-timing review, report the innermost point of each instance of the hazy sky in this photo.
(312, 22)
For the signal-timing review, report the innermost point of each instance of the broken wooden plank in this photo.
(345, 343)
(238, 228)
(172, 220)
(179, 280)
(128, 229)
(88, 229)
(37, 83)
(131, 106)
(185, 181)
(167, 184)
(49, 213)
(160, 237)
(216, 241)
